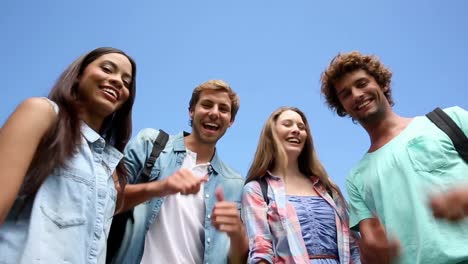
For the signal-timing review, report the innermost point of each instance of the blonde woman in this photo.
(304, 217)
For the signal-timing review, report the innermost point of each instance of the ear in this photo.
(191, 113)
(231, 122)
(385, 89)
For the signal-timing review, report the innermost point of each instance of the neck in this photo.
(385, 129)
(93, 122)
(205, 152)
(291, 170)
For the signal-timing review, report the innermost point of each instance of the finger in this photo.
(394, 248)
(204, 178)
(230, 229)
(226, 211)
(219, 194)
(438, 207)
(229, 220)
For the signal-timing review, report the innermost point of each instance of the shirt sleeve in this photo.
(137, 152)
(254, 212)
(459, 116)
(354, 248)
(358, 210)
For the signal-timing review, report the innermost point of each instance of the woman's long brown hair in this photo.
(270, 153)
(61, 141)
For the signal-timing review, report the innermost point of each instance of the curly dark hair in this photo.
(344, 63)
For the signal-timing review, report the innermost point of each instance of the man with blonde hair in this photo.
(192, 201)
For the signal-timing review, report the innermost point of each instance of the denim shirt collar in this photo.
(179, 146)
(113, 156)
(89, 134)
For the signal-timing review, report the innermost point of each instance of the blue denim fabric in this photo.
(170, 160)
(69, 219)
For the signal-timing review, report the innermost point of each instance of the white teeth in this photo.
(110, 91)
(293, 140)
(212, 125)
(363, 104)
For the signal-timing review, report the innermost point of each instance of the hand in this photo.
(183, 181)
(225, 217)
(374, 245)
(452, 205)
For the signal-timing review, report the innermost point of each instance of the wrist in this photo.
(239, 237)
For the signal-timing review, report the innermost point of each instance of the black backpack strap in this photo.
(119, 221)
(446, 124)
(264, 186)
(158, 146)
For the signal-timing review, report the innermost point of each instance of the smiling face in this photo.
(362, 97)
(104, 86)
(291, 132)
(211, 116)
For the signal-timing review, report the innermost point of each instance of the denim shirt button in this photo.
(207, 195)
(208, 216)
(101, 193)
(208, 240)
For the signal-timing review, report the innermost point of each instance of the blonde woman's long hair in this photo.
(270, 153)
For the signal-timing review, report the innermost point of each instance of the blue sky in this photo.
(270, 52)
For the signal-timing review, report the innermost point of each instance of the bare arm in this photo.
(375, 246)
(452, 205)
(182, 181)
(19, 139)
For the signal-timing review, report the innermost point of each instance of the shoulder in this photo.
(356, 170)
(229, 172)
(458, 114)
(40, 105)
(147, 134)
(36, 111)
(252, 187)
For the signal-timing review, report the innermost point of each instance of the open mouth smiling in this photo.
(111, 91)
(211, 126)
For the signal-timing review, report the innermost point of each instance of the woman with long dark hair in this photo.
(57, 158)
(303, 217)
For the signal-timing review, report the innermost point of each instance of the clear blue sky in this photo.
(271, 52)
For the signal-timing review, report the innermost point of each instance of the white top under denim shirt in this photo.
(216, 244)
(69, 219)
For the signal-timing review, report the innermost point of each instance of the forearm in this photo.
(239, 249)
(135, 194)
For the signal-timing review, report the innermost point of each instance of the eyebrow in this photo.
(354, 83)
(126, 75)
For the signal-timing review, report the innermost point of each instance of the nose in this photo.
(214, 112)
(116, 81)
(295, 129)
(356, 93)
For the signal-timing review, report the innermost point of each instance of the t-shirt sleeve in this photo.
(459, 116)
(358, 210)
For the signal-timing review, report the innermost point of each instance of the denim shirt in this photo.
(170, 160)
(69, 219)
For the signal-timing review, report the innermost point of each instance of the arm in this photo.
(225, 218)
(19, 139)
(375, 245)
(182, 181)
(254, 214)
(451, 205)
(136, 153)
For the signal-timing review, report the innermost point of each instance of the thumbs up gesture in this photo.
(225, 216)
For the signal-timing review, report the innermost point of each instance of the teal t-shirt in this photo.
(396, 181)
